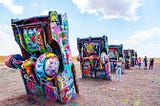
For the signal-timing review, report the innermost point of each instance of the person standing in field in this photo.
(123, 64)
(145, 62)
(139, 62)
(118, 70)
(151, 64)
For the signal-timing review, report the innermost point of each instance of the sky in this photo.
(133, 23)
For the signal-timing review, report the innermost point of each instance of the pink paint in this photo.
(50, 93)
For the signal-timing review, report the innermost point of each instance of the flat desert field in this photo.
(137, 88)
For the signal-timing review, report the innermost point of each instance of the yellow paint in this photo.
(90, 47)
(53, 16)
(49, 79)
(27, 63)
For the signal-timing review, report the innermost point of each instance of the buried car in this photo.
(45, 65)
(93, 56)
(115, 54)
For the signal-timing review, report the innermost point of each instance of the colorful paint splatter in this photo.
(115, 54)
(46, 66)
(94, 59)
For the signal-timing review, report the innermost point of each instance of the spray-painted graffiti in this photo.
(94, 57)
(132, 54)
(51, 92)
(127, 58)
(130, 58)
(115, 54)
(46, 65)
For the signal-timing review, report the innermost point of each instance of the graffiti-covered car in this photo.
(115, 54)
(93, 56)
(127, 58)
(45, 65)
(130, 58)
(133, 57)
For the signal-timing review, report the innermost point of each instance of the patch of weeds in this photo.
(1, 76)
(125, 101)
(137, 103)
(158, 77)
(3, 68)
(12, 71)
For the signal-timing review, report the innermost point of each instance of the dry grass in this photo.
(157, 60)
(2, 59)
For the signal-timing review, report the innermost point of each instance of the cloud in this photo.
(147, 36)
(7, 43)
(145, 42)
(109, 9)
(35, 4)
(15, 9)
(44, 12)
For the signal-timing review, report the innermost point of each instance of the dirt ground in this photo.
(137, 88)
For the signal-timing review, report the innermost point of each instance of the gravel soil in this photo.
(136, 88)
